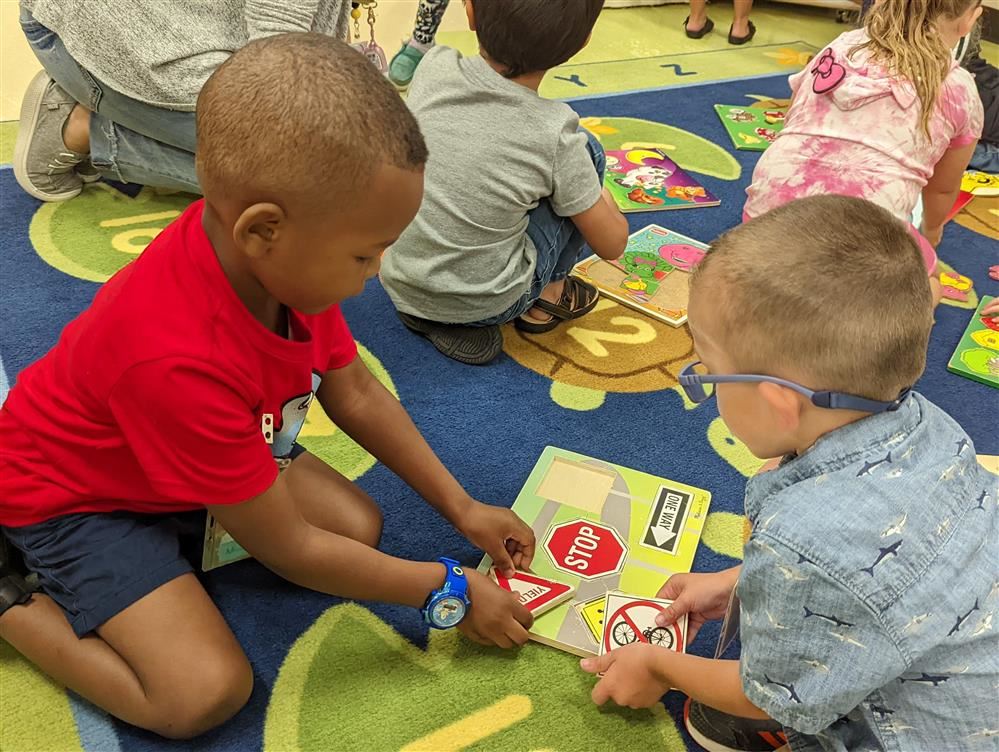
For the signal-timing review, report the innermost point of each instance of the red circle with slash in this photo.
(622, 628)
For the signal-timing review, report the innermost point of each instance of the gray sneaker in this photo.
(87, 172)
(43, 166)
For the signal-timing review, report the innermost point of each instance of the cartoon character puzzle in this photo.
(652, 177)
(645, 272)
(686, 192)
(682, 256)
(767, 133)
(741, 116)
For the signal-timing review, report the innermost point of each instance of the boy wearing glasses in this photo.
(868, 586)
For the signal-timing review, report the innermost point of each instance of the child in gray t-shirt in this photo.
(513, 186)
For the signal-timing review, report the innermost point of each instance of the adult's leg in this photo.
(328, 500)
(132, 141)
(740, 24)
(429, 14)
(698, 16)
(167, 663)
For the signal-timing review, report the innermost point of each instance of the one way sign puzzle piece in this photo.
(537, 594)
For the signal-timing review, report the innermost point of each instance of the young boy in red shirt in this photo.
(184, 385)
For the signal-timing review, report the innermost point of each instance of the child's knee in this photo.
(216, 694)
(369, 526)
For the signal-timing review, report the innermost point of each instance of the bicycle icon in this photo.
(624, 634)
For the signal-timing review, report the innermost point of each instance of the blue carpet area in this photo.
(488, 424)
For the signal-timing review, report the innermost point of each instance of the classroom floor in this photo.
(341, 675)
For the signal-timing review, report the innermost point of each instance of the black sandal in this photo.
(471, 345)
(708, 27)
(742, 40)
(578, 299)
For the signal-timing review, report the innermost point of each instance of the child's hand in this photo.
(992, 309)
(501, 534)
(703, 597)
(495, 616)
(629, 675)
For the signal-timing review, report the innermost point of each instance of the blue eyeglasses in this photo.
(699, 387)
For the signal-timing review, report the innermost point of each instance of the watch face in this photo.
(447, 612)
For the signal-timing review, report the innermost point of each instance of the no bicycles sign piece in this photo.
(630, 619)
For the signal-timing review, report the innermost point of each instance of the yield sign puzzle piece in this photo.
(537, 594)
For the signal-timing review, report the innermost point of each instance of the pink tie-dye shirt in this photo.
(853, 130)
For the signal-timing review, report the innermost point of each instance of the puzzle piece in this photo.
(537, 594)
(629, 619)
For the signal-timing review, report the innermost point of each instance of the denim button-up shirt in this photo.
(870, 586)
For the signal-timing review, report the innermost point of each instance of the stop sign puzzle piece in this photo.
(629, 619)
(585, 548)
(537, 594)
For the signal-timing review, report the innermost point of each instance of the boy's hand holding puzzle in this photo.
(639, 674)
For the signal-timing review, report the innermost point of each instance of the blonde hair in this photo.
(904, 38)
(830, 289)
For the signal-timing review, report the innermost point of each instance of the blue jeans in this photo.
(558, 242)
(130, 141)
(985, 158)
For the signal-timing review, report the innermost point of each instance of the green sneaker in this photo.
(403, 66)
(43, 166)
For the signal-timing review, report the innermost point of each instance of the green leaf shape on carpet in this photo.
(102, 229)
(692, 152)
(352, 682)
(36, 711)
(725, 533)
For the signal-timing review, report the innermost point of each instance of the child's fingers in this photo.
(522, 615)
(602, 692)
(671, 613)
(672, 588)
(597, 665)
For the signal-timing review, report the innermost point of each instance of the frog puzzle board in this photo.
(977, 354)
(752, 128)
(603, 527)
(653, 274)
(645, 179)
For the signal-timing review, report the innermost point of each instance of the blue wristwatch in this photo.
(447, 605)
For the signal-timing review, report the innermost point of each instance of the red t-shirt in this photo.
(162, 396)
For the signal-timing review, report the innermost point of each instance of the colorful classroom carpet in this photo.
(361, 676)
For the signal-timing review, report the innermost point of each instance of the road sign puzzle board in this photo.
(603, 527)
(977, 354)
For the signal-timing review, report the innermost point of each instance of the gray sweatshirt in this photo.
(162, 51)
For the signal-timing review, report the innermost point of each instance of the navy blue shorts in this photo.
(96, 565)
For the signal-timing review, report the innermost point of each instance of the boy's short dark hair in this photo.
(527, 36)
(829, 287)
(300, 113)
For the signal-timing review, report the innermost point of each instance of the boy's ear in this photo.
(784, 405)
(258, 228)
(470, 14)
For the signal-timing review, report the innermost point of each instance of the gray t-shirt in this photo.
(496, 150)
(162, 52)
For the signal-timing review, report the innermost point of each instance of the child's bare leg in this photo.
(330, 501)
(698, 15)
(740, 24)
(167, 663)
